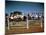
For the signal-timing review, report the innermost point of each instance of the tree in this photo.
(6, 14)
(24, 18)
(11, 14)
(29, 17)
(6, 22)
(17, 12)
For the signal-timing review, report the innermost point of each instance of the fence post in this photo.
(41, 21)
(27, 23)
(8, 23)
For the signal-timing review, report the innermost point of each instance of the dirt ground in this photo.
(34, 27)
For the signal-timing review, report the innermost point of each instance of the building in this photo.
(16, 15)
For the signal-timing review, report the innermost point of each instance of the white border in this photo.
(2, 17)
(28, 0)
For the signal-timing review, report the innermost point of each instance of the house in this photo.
(16, 15)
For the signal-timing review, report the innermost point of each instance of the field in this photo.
(33, 26)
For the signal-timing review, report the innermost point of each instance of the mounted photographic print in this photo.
(24, 17)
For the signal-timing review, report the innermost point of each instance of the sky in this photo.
(24, 7)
